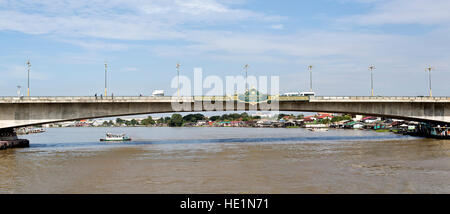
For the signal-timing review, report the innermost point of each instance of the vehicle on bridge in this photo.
(158, 93)
(307, 93)
(291, 94)
(299, 94)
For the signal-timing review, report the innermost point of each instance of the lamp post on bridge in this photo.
(28, 66)
(310, 78)
(178, 79)
(106, 71)
(246, 71)
(429, 69)
(371, 78)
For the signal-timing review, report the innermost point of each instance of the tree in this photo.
(340, 118)
(176, 120)
(120, 121)
(214, 118)
(148, 121)
(244, 115)
(193, 118)
(325, 121)
(134, 122)
(256, 117)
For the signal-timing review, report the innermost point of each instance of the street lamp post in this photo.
(106, 71)
(429, 69)
(28, 66)
(246, 72)
(371, 78)
(178, 79)
(310, 78)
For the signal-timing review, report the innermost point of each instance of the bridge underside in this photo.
(14, 115)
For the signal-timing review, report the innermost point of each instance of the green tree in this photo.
(340, 118)
(256, 117)
(148, 121)
(120, 121)
(193, 118)
(214, 118)
(134, 122)
(176, 120)
(325, 121)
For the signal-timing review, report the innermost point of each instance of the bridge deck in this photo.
(129, 99)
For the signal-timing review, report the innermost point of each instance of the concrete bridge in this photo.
(18, 112)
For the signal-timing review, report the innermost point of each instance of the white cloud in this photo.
(18, 71)
(118, 19)
(98, 45)
(424, 12)
(277, 27)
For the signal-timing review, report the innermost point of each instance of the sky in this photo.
(69, 41)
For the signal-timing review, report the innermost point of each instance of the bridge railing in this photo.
(12, 99)
(381, 98)
(139, 98)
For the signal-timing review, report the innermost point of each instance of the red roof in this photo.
(366, 118)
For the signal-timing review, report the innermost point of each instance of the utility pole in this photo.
(106, 71)
(178, 79)
(28, 66)
(371, 78)
(429, 69)
(310, 78)
(246, 72)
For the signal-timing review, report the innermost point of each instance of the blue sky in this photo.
(69, 41)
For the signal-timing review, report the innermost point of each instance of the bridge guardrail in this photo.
(379, 98)
(14, 99)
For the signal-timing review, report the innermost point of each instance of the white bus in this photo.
(291, 94)
(158, 93)
(307, 93)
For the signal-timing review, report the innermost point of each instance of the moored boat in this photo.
(318, 129)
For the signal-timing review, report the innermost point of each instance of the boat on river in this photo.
(318, 129)
(115, 137)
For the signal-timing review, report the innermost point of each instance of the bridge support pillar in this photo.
(8, 139)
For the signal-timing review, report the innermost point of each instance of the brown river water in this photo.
(226, 160)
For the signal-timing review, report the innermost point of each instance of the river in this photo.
(226, 160)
